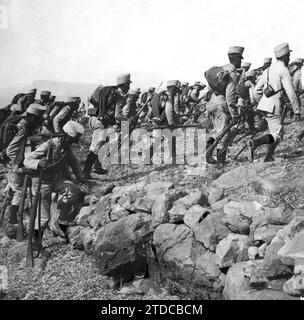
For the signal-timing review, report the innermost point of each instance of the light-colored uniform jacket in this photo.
(230, 93)
(279, 77)
(296, 80)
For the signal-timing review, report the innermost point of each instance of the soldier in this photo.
(296, 75)
(246, 99)
(223, 106)
(108, 106)
(32, 119)
(56, 170)
(165, 105)
(65, 114)
(44, 97)
(129, 110)
(268, 92)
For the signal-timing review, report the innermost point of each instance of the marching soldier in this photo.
(56, 170)
(296, 75)
(222, 106)
(108, 109)
(269, 93)
(33, 117)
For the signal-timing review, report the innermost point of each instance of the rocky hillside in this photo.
(232, 233)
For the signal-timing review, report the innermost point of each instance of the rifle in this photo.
(36, 205)
(2, 212)
(141, 109)
(210, 150)
(20, 230)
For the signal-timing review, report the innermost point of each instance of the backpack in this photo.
(243, 90)
(8, 129)
(17, 97)
(217, 78)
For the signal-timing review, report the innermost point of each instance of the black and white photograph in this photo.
(151, 154)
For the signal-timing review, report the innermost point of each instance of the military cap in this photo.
(16, 107)
(123, 78)
(172, 83)
(246, 64)
(251, 73)
(299, 60)
(32, 91)
(236, 49)
(152, 89)
(73, 128)
(267, 60)
(137, 90)
(36, 109)
(281, 49)
(52, 97)
(45, 93)
(133, 92)
(185, 83)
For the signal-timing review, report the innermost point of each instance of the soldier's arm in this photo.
(258, 90)
(119, 109)
(155, 106)
(14, 144)
(194, 94)
(31, 160)
(59, 118)
(288, 86)
(231, 98)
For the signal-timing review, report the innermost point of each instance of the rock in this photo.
(120, 246)
(106, 190)
(162, 204)
(194, 215)
(211, 230)
(176, 213)
(248, 209)
(237, 284)
(295, 285)
(215, 195)
(262, 249)
(5, 241)
(253, 253)
(232, 249)
(118, 212)
(128, 290)
(191, 199)
(219, 205)
(179, 258)
(73, 234)
(17, 252)
(144, 286)
(272, 267)
(102, 211)
(83, 215)
(288, 232)
(236, 223)
(87, 236)
(293, 249)
(266, 233)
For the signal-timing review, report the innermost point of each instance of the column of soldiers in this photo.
(43, 130)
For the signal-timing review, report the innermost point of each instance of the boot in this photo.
(98, 168)
(12, 226)
(91, 158)
(270, 152)
(254, 143)
(209, 159)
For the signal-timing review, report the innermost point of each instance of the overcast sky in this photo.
(155, 40)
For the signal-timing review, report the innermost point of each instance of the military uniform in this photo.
(15, 153)
(277, 75)
(62, 158)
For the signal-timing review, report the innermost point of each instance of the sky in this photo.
(93, 41)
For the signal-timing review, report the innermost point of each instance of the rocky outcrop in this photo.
(229, 238)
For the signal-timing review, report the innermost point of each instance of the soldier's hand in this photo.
(43, 163)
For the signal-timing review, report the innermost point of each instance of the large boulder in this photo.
(121, 246)
(248, 209)
(293, 249)
(232, 249)
(295, 285)
(238, 284)
(211, 230)
(83, 215)
(195, 215)
(266, 233)
(177, 257)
